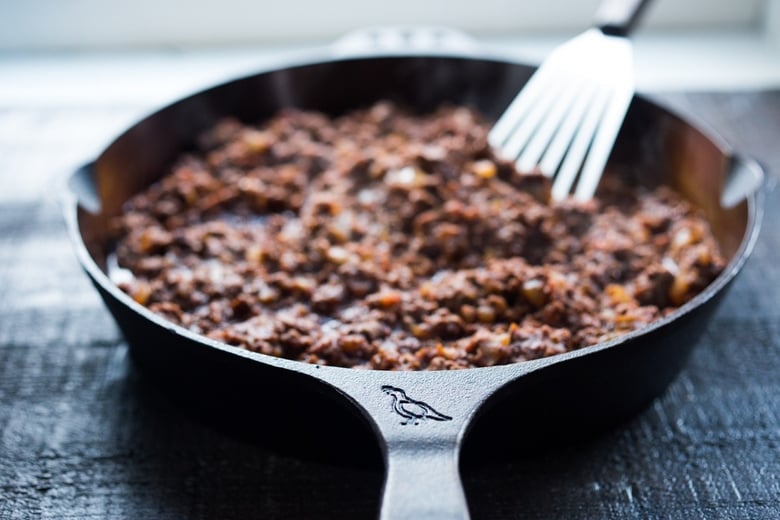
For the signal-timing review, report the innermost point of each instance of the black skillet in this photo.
(420, 418)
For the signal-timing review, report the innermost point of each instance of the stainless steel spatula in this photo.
(566, 118)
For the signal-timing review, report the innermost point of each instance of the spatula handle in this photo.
(618, 17)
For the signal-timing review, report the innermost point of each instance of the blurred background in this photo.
(107, 63)
(681, 44)
(48, 24)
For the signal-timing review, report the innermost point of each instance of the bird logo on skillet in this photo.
(413, 411)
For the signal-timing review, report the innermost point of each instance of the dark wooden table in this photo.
(84, 435)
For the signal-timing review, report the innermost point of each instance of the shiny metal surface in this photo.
(566, 118)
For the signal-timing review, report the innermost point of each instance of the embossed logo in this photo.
(413, 411)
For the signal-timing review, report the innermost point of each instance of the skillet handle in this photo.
(423, 481)
(80, 185)
(420, 419)
(745, 177)
(619, 17)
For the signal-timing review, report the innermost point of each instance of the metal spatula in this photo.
(566, 118)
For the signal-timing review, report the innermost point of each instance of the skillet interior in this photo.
(654, 144)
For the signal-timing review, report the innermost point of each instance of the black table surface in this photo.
(83, 434)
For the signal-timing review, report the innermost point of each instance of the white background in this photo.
(144, 52)
(47, 24)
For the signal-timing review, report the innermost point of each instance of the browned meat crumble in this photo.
(387, 240)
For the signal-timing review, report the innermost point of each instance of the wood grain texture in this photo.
(83, 435)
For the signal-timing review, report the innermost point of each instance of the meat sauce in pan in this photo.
(384, 239)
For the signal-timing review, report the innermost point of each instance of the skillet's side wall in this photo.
(656, 146)
(268, 406)
(576, 399)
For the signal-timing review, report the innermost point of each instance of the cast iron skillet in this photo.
(421, 418)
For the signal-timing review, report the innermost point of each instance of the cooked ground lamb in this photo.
(390, 240)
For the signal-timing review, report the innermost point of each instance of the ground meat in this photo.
(388, 240)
